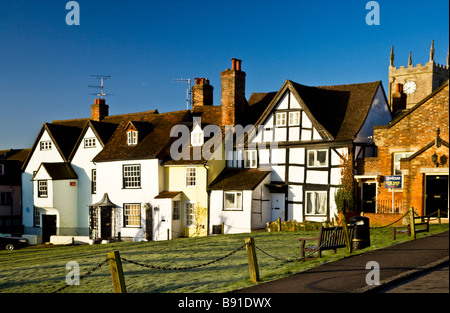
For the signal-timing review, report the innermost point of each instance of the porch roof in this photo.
(238, 179)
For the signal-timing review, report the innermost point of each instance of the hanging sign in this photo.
(394, 181)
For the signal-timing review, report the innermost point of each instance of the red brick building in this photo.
(414, 147)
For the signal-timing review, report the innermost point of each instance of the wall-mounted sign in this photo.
(394, 181)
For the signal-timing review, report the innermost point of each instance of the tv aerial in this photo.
(188, 91)
(101, 86)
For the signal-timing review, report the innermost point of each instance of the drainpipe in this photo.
(206, 165)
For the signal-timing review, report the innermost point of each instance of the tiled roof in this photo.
(153, 137)
(167, 194)
(238, 179)
(60, 170)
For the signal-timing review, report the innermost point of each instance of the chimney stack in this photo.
(202, 92)
(99, 110)
(233, 99)
(398, 99)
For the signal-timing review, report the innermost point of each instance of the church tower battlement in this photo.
(410, 84)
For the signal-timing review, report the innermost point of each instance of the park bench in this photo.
(406, 229)
(330, 238)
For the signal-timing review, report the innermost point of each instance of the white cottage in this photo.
(311, 129)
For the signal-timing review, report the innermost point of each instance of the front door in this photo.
(369, 196)
(48, 227)
(436, 194)
(278, 206)
(106, 223)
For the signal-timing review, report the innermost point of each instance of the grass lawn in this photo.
(43, 270)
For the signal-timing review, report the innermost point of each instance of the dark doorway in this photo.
(48, 227)
(369, 197)
(436, 194)
(149, 224)
(106, 223)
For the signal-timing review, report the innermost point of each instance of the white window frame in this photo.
(94, 181)
(314, 162)
(42, 188)
(191, 176)
(90, 142)
(237, 201)
(280, 119)
(45, 145)
(250, 158)
(294, 118)
(132, 215)
(132, 176)
(190, 214)
(36, 217)
(132, 137)
(314, 209)
(396, 163)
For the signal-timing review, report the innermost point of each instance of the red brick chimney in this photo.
(99, 110)
(233, 99)
(398, 99)
(202, 92)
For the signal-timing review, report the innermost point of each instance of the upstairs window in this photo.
(132, 176)
(94, 182)
(2, 169)
(280, 119)
(45, 145)
(250, 159)
(5, 198)
(89, 142)
(397, 158)
(317, 158)
(191, 176)
(42, 189)
(294, 118)
(197, 138)
(132, 137)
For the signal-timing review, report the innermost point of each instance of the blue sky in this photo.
(45, 64)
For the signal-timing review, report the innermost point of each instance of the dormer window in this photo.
(197, 135)
(132, 137)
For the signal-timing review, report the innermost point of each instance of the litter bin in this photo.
(361, 235)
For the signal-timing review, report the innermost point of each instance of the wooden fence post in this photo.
(412, 224)
(439, 216)
(115, 265)
(252, 261)
(279, 224)
(348, 243)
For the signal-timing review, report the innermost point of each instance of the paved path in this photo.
(349, 274)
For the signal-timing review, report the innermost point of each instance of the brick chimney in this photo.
(99, 110)
(233, 99)
(398, 99)
(202, 92)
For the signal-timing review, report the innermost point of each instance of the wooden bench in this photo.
(406, 229)
(330, 238)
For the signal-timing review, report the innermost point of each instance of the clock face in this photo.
(409, 87)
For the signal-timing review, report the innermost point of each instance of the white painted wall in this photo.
(110, 180)
(37, 157)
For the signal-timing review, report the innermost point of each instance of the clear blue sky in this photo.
(45, 64)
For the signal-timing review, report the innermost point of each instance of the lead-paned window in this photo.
(132, 214)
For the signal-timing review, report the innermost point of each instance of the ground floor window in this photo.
(190, 213)
(316, 202)
(232, 201)
(132, 215)
(176, 211)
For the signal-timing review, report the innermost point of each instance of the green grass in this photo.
(43, 270)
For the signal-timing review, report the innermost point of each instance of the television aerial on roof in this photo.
(102, 92)
(188, 91)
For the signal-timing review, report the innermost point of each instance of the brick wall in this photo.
(411, 133)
